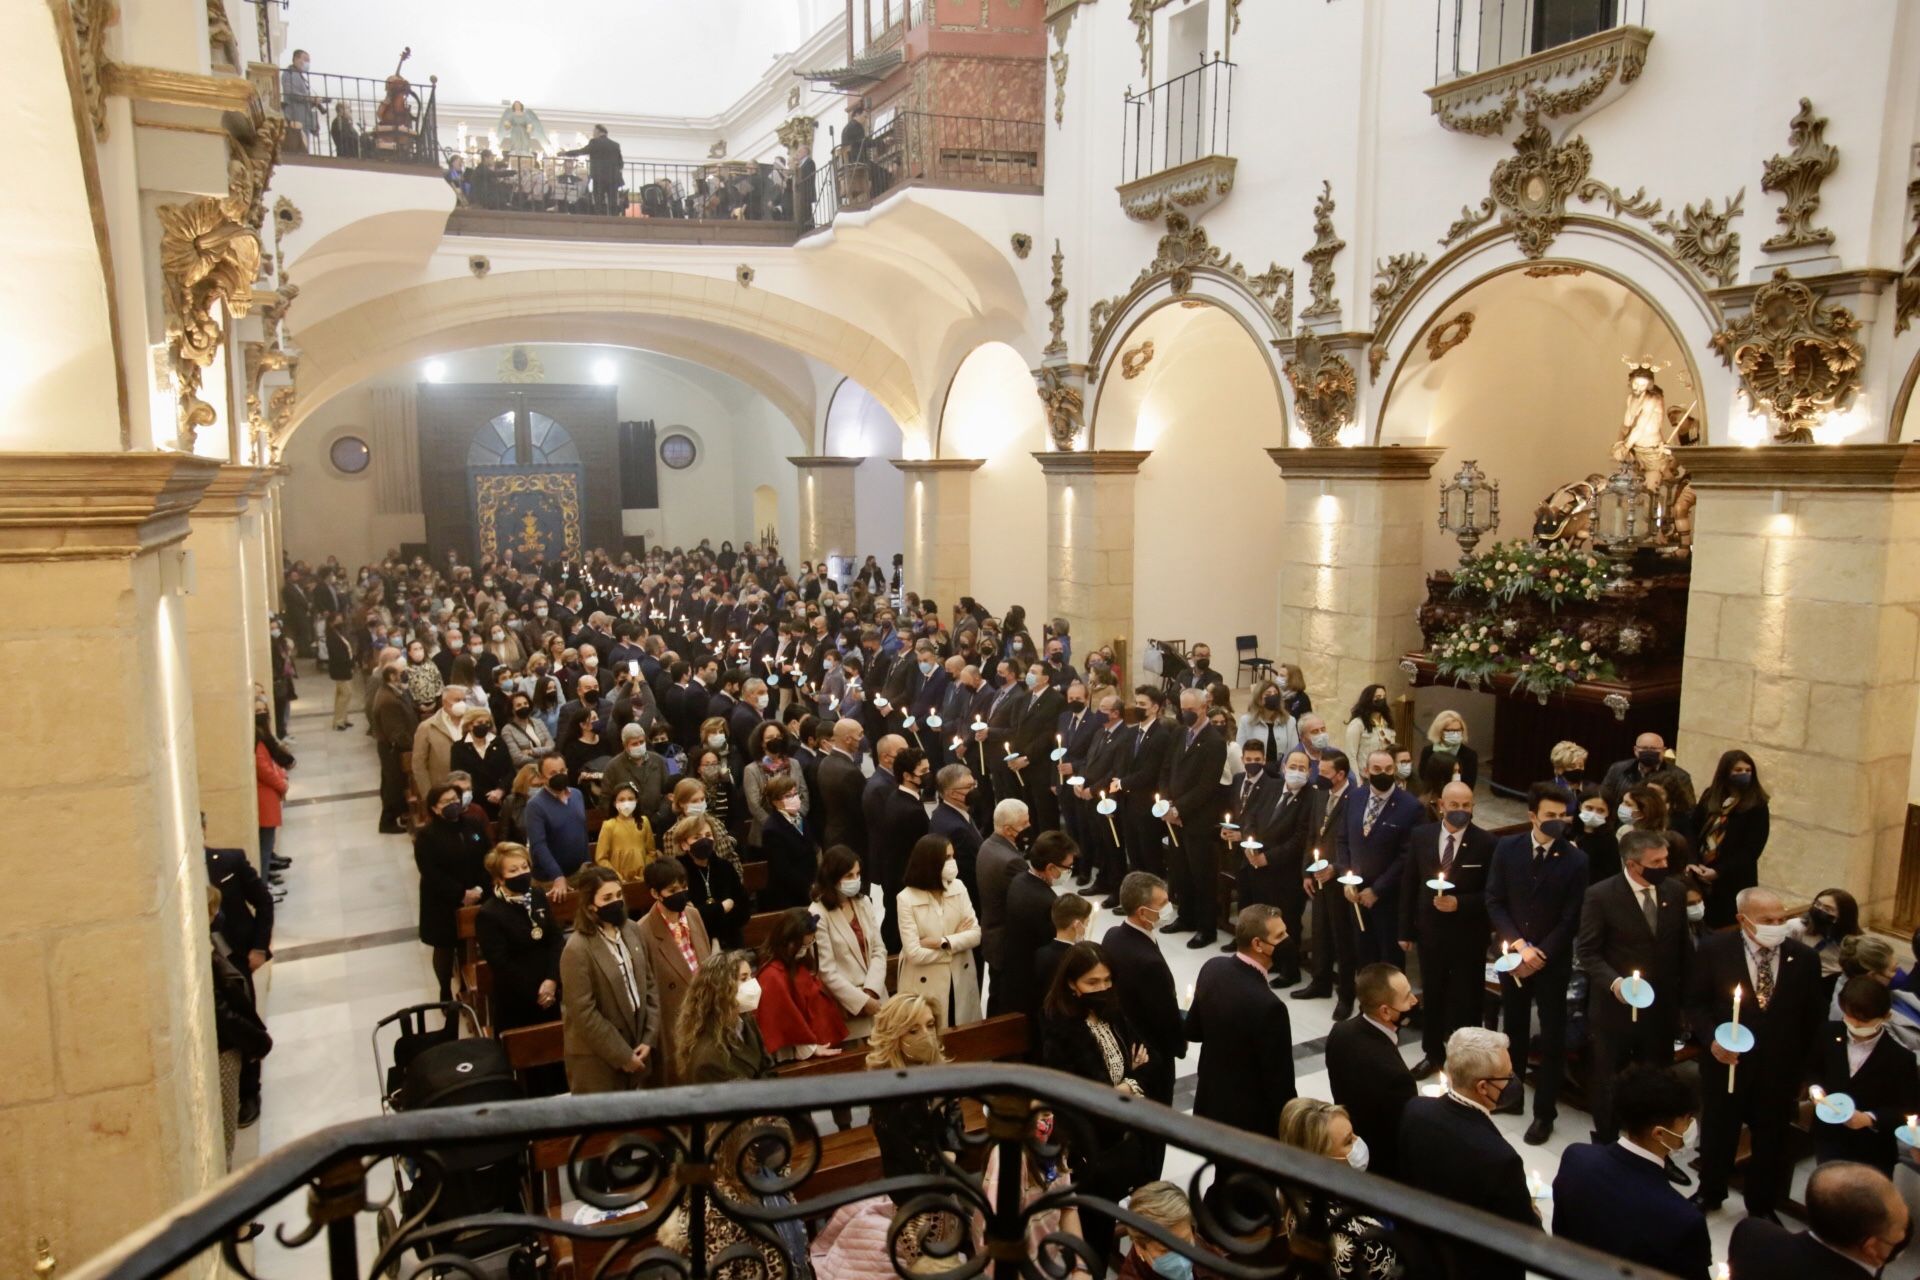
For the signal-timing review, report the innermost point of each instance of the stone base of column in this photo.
(1090, 523)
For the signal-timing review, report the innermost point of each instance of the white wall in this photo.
(858, 427)
(993, 413)
(327, 513)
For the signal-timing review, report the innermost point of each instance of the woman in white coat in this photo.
(939, 934)
(847, 946)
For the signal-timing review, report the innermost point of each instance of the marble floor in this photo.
(346, 956)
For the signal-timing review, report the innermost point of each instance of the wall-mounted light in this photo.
(436, 371)
(603, 372)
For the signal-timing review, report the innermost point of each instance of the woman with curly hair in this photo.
(716, 1037)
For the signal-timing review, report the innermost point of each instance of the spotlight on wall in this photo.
(603, 372)
(436, 371)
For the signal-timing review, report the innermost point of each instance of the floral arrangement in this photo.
(1554, 573)
(1471, 652)
(1558, 660)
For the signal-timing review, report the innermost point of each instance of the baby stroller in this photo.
(438, 1067)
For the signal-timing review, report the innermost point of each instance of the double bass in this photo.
(395, 111)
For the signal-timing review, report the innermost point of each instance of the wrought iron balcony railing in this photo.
(743, 1164)
(1187, 118)
(918, 148)
(712, 191)
(392, 120)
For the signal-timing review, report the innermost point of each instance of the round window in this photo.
(349, 455)
(678, 452)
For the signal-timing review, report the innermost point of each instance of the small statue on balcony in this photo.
(521, 133)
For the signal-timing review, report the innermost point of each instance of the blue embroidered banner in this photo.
(530, 512)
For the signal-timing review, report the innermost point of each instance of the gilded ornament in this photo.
(519, 365)
(1022, 245)
(1140, 13)
(1531, 186)
(1483, 124)
(1326, 247)
(280, 416)
(1184, 249)
(1638, 204)
(1134, 363)
(1064, 406)
(1197, 185)
(90, 19)
(1057, 305)
(253, 148)
(1058, 61)
(1274, 287)
(1797, 175)
(1395, 275)
(221, 42)
(1906, 298)
(743, 275)
(1616, 55)
(1548, 270)
(260, 359)
(797, 134)
(208, 261)
(1702, 238)
(1324, 389)
(1376, 356)
(1796, 356)
(1449, 334)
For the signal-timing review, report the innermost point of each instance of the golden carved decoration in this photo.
(1133, 363)
(1022, 245)
(1140, 13)
(1058, 61)
(1702, 238)
(1376, 356)
(90, 19)
(177, 88)
(253, 148)
(1797, 175)
(1907, 293)
(260, 359)
(286, 220)
(208, 261)
(1616, 55)
(280, 416)
(562, 487)
(1530, 188)
(44, 1263)
(1324, 389)
(1184, 249)
(1796, 356)
(1548, 270)
(797, 134)
(1064, 404)
(1449, 334)
(743, 275)
(1326, 247)
(1195, 186)
(1396, 275)
(221, 42)
(1057, 306)
(519, 365)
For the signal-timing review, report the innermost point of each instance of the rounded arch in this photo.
(1639, 264)
(1904, 406)
(990, 412)
(604, 307)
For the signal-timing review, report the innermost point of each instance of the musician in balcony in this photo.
(296, 98)
(604, 165)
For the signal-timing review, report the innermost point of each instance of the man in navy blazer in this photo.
(1534, 892)
(1615, 1196)
(1371, 843)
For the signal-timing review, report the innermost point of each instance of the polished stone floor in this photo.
(347, 957)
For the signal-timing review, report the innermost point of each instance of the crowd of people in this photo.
(954, 790)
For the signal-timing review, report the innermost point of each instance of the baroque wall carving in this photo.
(1796, 356)
(797, 134)
(1615, 56)
(90, 19)
(1057, 297)
(1326, 247)
(1183, 249)
(1702, 237)
(222, 43)
(208, 261)
(1797, 176)
(1529, 189)
(1395, 276)
(1064, 405)
(1449, 334)
(1907, 292)
(1324, 389)
(1134, 363)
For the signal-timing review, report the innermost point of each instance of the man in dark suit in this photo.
(1450, 1146)
(1144, 985)
(1784, 1004)
(1331, 917)
(1635, 922)
(879, 785)
(841, 788)
(1859, 1056)
(902, 821)
(995, 866)
(1242, 1028)
(1140, 764)
(1615, 1196)
(1005, 708)
(1079, 727)
(1364, 1068)
(1858, 1224)
(1111, 741)
(953, 820)
(1450, 929)
(1251, 801)
(1190, 781)
(1033, 742)
(1029, 925)
(1284, 812)
(1649, 759)
(1534, 893)
(1372, 844)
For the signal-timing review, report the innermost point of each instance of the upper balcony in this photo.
(358, 120)
(1175, 145)
(919, 149)
(1564, 57)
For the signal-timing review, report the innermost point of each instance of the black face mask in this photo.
(1256, 768)
(1202, 664)
(589, 696)
(520, 883)
(1457, 819)
(450, 811)
(1575, 776)
(1648, 759)
(1272, 701)
(701, 850)
(675, 903)
(1076, 704)
(1381, 781)
(1189, 717)
(1553, 828)
(521, 713)
(613, 913)
(557, 784)
(1654, 875)
(1740, 781)
(1821, 922)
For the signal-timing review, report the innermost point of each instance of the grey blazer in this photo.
(601, 1025)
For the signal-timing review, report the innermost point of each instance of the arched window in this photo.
(493, 443)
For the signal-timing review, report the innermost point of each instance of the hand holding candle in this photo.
(1730, 1040)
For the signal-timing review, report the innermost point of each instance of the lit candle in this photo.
(1736, 1006)
(1636, 991)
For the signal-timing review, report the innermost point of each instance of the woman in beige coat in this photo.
(939, 934)
(610, 1011)
(847, 947)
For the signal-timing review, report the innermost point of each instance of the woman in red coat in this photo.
(270, 782)
(797, 1017)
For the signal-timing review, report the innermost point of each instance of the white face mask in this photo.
(1696, 911)
(499, 636)
(749, 995)
(466, 799)
(625, 808)
(760, 701)
(1319, 741)
(1149, 923)
(1296, 779)
(850, 888)
(589, 664)
(1404, 768)
(458, 710)
(1357, 1155)
(696, 808)
(1451, 737)
(637, 750)
(949, 871)
(1770, 936)
(1864, 1033)
(1590, 819)
(716, 740)
(790, 804)
(1625, 813)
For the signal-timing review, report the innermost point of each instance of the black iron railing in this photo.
(726, 1169)
(359, 118)
(1186, 118)
(918, 148)
(717, 191)
(1471, 36)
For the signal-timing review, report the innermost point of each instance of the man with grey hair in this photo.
(953, 820)
(1784, 1006)
(841, 787)
(433, 742)
(1190, 784)
(636, 765)
(1242, 1027)
(994, 866)
(1450, 1146)
(1144, 983)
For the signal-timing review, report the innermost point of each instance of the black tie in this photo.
(1650, 906)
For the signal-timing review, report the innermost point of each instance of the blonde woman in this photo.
(1268, 721)
(1355, 1248)
(690, 800)
(1447, 743)
(1569, 763)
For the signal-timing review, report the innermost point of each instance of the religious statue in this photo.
(1566, 514)
(521, 133)
(1643, 428)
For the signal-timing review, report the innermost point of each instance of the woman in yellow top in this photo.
(626, 837)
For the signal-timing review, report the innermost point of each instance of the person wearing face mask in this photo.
(1332, 927)
(1447, 742)
(1784, 1005)
(1568, 759)
(391, 717)
(1856, 1219)
(1365, 1071)
(847, 948)
(798, 1018)
(842, 785)
(1071, 912)
(433, 741)
(939, 933)
(525, 734)
(1615, 1196)
(952, 820)
(556, 822)
(450, 852)
(1450, 1146)
(716, 1037)
(1243, 1030)
(1449, 929)
(610, 1009)
(1828, 922)
(1190, 784)
(626, 840)
(521, 943)
(1534, 894)
(994, 868)
(769, 751)
(1268, 721)
(1147, 993)
(638, 767)
(1029, 924)
(1105, 754)
(781, 836)
(677, 946)
(1596, 833)
(1032, 741)
(1369, 724)
(1166, 1206)
(1372, 843)
(1731, 824)
(1649, 758)
(1634, 922)
(1076, 731)
(1356, 1244)
(483, 757)
(1858, 1056)
(1287, 818)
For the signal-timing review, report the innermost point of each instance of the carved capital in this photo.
(1093, 462)
(1062, 391)
(1363, 462)
(797, 134)
(1325, 389)
(208, 261)
(1796, 356)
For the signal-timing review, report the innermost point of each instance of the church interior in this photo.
(1340, 521)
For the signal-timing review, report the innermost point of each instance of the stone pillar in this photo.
(1352, 579)
(1090, 543)
(939, 527)
(220, 658)
(1801, 627)
(826, 506)
(256, 547)
(109, 1103)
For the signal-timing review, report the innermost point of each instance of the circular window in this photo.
(678, 452)
(349, 455)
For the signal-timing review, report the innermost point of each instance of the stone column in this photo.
(256, 547)
(1352, 579)
(1090, 543)
(826, 506)
(220, 658)
(109, 1103)
(1801, 626)
(939, 527)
